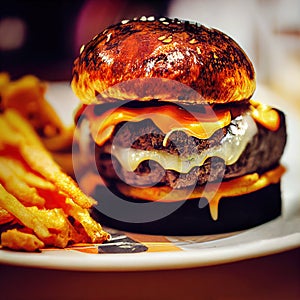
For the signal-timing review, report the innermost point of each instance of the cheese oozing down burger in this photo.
(168, 123)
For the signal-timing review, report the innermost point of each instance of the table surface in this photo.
(270, 277)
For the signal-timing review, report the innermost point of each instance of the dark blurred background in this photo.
(44, 37)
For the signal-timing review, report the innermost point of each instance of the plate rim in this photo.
(149, 261)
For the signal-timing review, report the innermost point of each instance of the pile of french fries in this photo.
(27, 95)
(40, 205)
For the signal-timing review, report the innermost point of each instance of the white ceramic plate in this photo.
(276, 236)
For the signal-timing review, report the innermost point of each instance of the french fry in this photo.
(76, 234)
(8, 135)
(18, 124)
(92, 228)
(20, 189)
(44, 164)
(23, 214)
(56, 222)
(16, 240)
(27, 95)
(26, 176)
(5, 216)
(61, 141)
(37, 195)
(41, 161)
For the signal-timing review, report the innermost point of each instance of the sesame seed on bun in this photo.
(177, 56)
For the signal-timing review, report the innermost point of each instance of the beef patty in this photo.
(261, 154)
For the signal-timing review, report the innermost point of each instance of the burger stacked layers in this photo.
(168, 113)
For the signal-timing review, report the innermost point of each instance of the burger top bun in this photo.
(165, 59)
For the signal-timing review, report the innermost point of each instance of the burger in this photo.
(168, 123)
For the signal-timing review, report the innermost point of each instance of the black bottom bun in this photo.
(235, 214)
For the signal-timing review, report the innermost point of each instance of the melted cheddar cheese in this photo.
(265, 115)
(241, 132)
(213, 192)
(167, 118)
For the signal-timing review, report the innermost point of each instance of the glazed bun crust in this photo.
(164, 59)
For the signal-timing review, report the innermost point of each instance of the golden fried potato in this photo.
(23, 214)
(91, 227)
(19, 188)
(39, 158)
(19, 170)
(37, 195)
(17, 240)
(19, 125)
(44, 202)
(61, 141)
(5, 217)
(8, 136)
(56, 222)
(27, 95)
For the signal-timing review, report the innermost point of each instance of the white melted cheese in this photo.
(240, 132)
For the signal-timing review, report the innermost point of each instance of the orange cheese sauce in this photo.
(166, 118)
(170, 117)
(265, 115)
(240, 186)
(213, 192)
